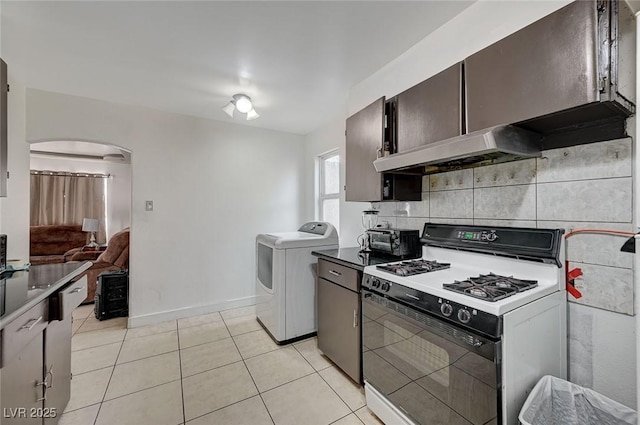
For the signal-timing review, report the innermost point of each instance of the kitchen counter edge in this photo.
(45, 294)
(351, 257)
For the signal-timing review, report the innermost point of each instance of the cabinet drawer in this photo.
(22, 330)
(65, 301)
(336, 273)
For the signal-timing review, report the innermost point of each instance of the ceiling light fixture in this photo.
(241, 103)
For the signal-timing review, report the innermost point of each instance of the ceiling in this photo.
(296, 59)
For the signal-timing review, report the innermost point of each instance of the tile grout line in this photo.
(106, 327)
(124, 395)
(249, 372)
(95, 421)
(336, 393)
(123, 363)
(224, 407)
(349, 414)
(184, 414)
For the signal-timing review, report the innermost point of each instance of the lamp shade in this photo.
(252, 115)
(229, 109)
(241, 103)
(90, 225)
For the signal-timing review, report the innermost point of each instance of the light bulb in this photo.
(243, 104)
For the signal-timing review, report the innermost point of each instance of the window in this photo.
(329, 188)
(67, 198)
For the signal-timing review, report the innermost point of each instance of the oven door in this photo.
(432, 371)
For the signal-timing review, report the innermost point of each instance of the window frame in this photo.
(322, 195)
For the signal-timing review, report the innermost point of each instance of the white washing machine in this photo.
(286, 279)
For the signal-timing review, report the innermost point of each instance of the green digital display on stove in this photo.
(469, 235)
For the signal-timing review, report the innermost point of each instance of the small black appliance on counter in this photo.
(112, 295)
(401, 243)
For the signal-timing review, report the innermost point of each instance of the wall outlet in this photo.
(148, 205)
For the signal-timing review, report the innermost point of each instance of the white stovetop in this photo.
(464, 265)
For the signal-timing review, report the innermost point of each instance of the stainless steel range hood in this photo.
(498, 142)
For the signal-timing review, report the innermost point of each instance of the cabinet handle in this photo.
(335, 273)
(43, 384)
(75, 291)
(355, 318)
(30, 324)
(50, 373)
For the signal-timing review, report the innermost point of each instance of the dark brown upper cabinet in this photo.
(554, 73)
(364, 137)
(431, 110)
(366, 133)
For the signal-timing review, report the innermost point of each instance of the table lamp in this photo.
(91, 225)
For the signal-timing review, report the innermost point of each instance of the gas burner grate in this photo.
(491, 287)
(413, 267)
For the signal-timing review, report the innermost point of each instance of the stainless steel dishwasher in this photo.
(339, 330)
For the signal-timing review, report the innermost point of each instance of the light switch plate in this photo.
(148, 205)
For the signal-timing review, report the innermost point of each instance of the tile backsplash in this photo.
(587, 186)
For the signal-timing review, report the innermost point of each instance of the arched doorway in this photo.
(76, 181)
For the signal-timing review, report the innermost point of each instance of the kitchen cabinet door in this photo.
(430, 111)
(21, 386)
(57, 364)
(547, 67)
(4, 88)
(364, 137)
(339, 326)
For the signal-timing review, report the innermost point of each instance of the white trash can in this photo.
(555, 401)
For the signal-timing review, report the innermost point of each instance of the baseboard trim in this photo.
(181, 313)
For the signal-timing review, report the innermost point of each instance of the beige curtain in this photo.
(68, 198)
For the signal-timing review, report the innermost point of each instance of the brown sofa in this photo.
(115, 257)
(48, 244)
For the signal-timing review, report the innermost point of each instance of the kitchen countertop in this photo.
(352, 257)
(21, 290)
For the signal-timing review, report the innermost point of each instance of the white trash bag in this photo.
(555, 401)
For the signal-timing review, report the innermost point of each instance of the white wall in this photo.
(118, 187)
(14, 209)
(325, 139)
(214, 186)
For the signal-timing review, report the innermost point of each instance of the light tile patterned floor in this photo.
(218, 368)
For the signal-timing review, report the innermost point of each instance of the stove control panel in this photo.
(529, 244)
(450, 311)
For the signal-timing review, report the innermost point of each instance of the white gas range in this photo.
(463, 334)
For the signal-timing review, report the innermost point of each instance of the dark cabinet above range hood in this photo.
(564, 80)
